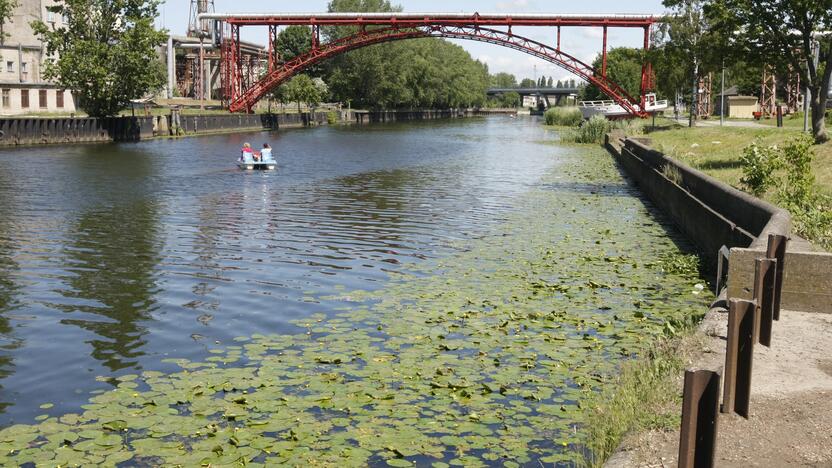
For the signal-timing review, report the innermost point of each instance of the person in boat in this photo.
(246, 153)
(266, 153)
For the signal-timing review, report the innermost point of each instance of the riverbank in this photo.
(792, 380)
(33, 131)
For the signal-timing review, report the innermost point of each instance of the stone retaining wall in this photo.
(713, 214)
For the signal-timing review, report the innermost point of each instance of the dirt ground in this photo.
(791, 402)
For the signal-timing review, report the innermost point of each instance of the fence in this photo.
(749, 323)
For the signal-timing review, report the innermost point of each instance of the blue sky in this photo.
(584, 43)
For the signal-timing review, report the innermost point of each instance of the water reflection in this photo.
(113, 253)
(8, 288)
(115, 257)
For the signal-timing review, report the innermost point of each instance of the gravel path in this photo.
(791, 403)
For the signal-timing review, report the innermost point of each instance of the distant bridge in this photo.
(534, 91)
(244, 82)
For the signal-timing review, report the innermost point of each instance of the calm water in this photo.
(115, 257)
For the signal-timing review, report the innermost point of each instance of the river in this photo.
(118, 261)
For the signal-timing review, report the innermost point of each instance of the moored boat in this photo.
(613, 110)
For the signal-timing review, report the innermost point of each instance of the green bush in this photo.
(790, 170)
(758, 167)
(797, 157)
(591, 131)
(563, 116)
(332, 117)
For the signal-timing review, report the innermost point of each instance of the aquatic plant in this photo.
(487, 356)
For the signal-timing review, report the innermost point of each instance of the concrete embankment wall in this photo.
(713, 214)
(365, 117)
(60, 130)
(38, 131)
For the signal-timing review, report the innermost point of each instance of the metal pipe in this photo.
(171, 68)
(421, 16)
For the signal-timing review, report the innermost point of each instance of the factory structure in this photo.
(194, 65)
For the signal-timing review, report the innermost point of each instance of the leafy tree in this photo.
(685, 46)
(527, 83)
(293, 41)
(623, 67)
(550, 83)
(503, 80)
(7, 8)
(559, 85)
(303, 90)
(782, 33)
(105, 53)
(414, 73)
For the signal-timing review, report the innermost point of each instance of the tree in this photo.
(782, 34)
(503, 80)
(511, 100)
(105, 53)
(7, 8)
(550, 83)
(685, 48)
(293, 41)
(527, 83)
(303, 90)
(407, 74)
(623, 67)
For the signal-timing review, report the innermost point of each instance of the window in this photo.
(24, 69)
(7, 98)
(59, 99)
(24, 98)
(50, 17)
(43, 99)
(10, 66)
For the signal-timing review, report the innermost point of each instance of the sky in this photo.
(583, 43)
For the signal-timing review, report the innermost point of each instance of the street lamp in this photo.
(722, 97)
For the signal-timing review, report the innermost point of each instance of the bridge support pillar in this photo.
(604, 59)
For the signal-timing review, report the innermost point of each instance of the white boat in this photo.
(251, 165)
(613, 110)
(257, 166)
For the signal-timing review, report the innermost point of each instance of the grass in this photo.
(646, 396)
(717, 150)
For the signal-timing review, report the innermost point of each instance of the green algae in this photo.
(486, 357)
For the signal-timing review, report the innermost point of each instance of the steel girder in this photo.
(244, 99)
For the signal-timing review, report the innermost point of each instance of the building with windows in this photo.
(23, 89)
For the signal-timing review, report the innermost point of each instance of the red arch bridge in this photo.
(244, 83)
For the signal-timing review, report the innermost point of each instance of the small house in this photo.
(742, 107)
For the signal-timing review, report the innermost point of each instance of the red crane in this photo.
(242, 88)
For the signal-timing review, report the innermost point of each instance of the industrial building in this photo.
(23, 90)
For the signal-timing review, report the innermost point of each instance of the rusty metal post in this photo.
(739, 357)
(777, 249)
(700, 412)
(558, 38)
(764, 285)
(604, 59)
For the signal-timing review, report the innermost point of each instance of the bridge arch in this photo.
(242, 94)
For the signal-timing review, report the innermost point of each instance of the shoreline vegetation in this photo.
(468, 361)
(775, 164)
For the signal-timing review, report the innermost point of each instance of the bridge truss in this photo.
(244, 83)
